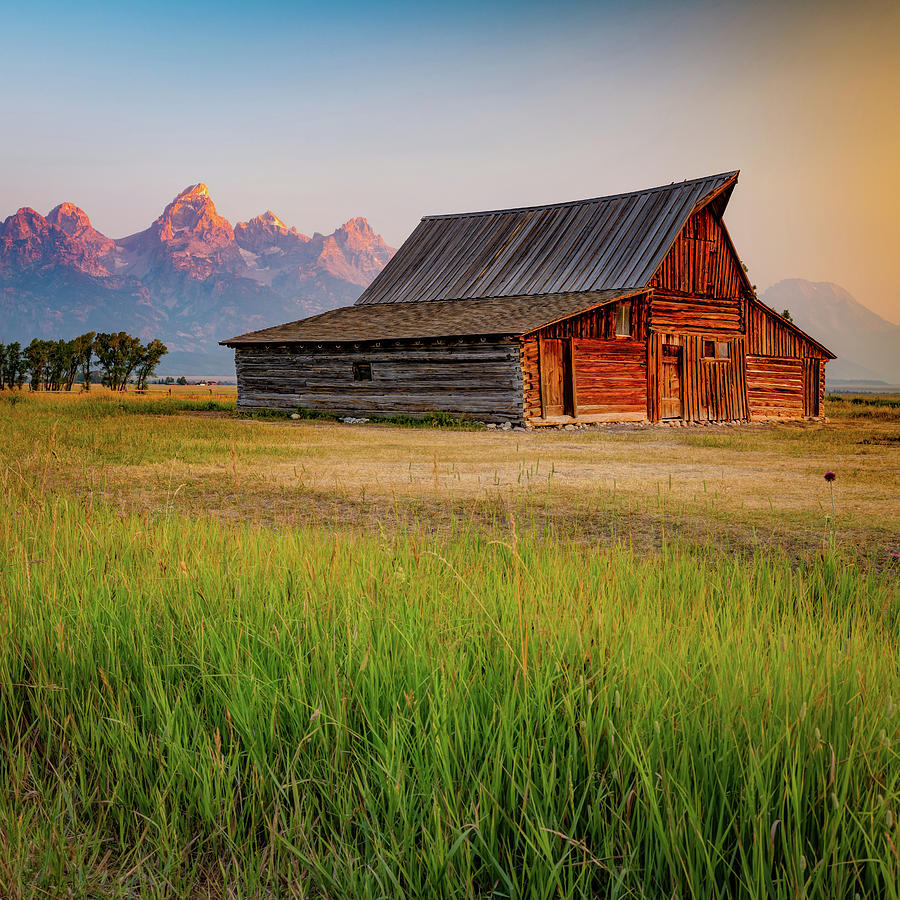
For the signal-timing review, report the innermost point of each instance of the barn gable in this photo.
(702, 261)
(770, 334)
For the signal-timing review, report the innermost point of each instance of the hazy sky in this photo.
(392, 111)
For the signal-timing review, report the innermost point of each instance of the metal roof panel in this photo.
(605, 243)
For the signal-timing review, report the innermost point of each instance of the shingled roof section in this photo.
(435, 319)
(608, 243)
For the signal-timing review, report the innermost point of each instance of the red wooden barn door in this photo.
(670, 382)
(557, 387)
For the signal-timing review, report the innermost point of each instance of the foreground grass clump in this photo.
(191, 708)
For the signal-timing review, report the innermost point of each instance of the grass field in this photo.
(263, 658)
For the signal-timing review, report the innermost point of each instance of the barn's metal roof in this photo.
(607, 243)
(433, 319)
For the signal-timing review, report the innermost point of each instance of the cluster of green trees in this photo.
(56, 365)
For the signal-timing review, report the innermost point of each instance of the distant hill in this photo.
(867, 346)
(190, 278)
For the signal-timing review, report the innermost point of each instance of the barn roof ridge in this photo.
(673, 185)
(604, 243)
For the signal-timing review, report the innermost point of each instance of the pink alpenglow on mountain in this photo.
(29, 242)
(189, 236)
(189, 278)
(265, 232)
(26, 241)
(88, 245)
(360, 253)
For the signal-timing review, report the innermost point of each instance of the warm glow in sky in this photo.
(326, 111)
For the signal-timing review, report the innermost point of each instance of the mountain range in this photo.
(867, 346)
(190, 279)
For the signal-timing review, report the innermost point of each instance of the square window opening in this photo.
(623, 320)
(362, 371)
(709, 349)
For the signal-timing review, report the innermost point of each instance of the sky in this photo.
(326, 111)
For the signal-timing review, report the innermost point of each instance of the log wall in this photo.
(698, 315)
(531, 378)
(481, 379)
(775, 387)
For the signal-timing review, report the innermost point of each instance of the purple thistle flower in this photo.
(829, 477)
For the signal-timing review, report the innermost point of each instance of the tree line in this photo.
(56, 365)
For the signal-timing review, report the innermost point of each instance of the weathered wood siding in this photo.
(822, 388)
(712, 389)
(475, 378)
(785, 370)
(701, 262)
(610, 379)
(813, 386)
(775, 387)
(700, 296)
(769, 335)
(600, 323)
(609, 373)
(697, 315)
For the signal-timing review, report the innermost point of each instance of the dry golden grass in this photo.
(741, 486)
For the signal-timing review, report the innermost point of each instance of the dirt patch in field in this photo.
(736, 487)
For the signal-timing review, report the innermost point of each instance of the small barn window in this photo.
(623, 320)
(362, 371)
(716, 350)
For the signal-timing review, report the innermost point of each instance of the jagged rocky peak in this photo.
(269, 218)
(267, 231)
(29, 241)
(358, 234)
(25, 221)
(358, 225)
(199, 190)
(71, 218)
(26, 240)
(192, 216)
(74, 221)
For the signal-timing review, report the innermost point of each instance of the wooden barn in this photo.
(624, 308)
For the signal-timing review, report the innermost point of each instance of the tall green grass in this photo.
(193, 709)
